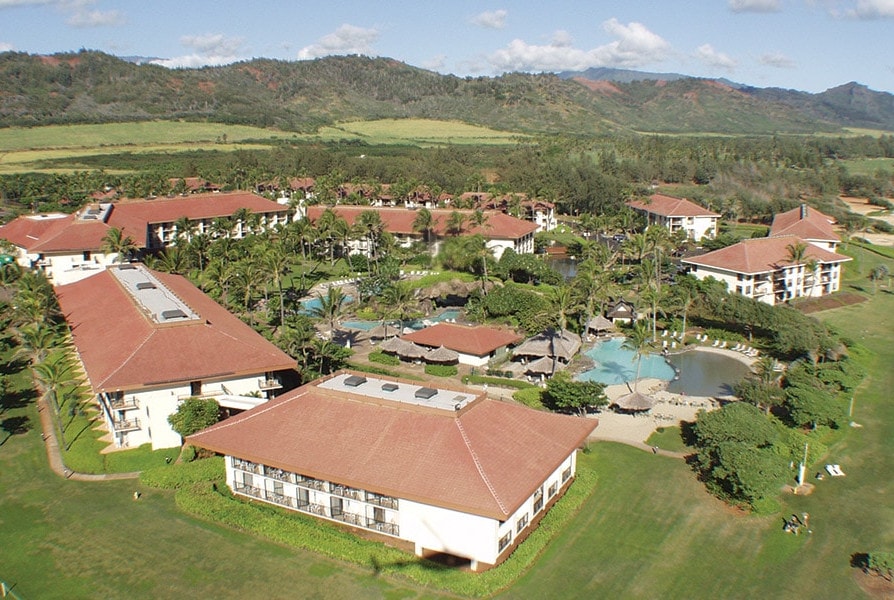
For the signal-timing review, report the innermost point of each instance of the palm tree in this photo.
(370, 226)
(797, 255)
(637, 339)
(35, 342)
(115, 242)
(400, 298)
(424, 223)
(183, 229)
(279, 263)
(455, 223)
(564, 303)
(52, 375)
(330, 307)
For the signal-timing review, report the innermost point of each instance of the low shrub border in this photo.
(385, 359)
(211, 500)
(441, 370)
(499, 381)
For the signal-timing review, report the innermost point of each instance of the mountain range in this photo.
(301, 96)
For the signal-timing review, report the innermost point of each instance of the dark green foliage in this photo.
(529, 309)
(194, 414)
(441, 370)
(526, 268)
(882, 564)
(531, 397)
(498, 381)
(566, 395)
(179, 475)
(814, 406)
(385, 359)
(736, 452)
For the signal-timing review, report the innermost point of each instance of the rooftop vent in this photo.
(175, 313)
(127, 267)
(426, 393)
(355, 381)
(146, 285)
(389, 387)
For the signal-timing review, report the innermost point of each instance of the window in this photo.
(379, 515)
(247, 479)
(505, 541)
(538, 499)
(553, 489)
(566, 474)
(521, 523)
(336, 508)
(303, 497)
(277, 487)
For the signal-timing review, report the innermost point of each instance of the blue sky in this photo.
(808, 45)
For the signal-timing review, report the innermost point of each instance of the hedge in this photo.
(215, 503)
(498, 381)
(178, 475)
(531, 397)
(379, 371)
(386, 359)
(441, 370)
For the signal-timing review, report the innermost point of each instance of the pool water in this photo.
(693, 373)
(615, 364)
(451, 313)
(309, 305)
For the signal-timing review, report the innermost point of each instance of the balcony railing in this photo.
(269, 384)
(279, 474)
(381, 527)
(384, 501)
(281, 499)
(122, 425)
(247, 466)
(314, 509)
(314, 484)
(347, 492)
(123, 403)
(248, 490)
(351, 519)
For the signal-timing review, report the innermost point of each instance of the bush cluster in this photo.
(386, 359)
(441, 370)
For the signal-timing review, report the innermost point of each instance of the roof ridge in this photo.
(152, 332)
(479, 466)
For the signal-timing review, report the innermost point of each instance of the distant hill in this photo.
(93, 87)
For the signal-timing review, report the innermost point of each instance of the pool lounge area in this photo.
(451, 314)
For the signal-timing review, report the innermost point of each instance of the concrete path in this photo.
(54, 453)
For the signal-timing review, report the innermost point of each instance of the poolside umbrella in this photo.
(635, 401)
(411, 350)
(599, 323)
(441, 355)
(392, 345)
(542, 366)
(381, 332)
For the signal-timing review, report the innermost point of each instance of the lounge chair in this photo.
(715, 344)
(723, 344)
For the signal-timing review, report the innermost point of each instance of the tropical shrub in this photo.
(386, 359)
(441, 370)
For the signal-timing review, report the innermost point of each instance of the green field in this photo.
(423, 132)
(868, 166)
(650, 530)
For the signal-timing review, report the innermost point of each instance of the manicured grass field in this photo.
(867, 166)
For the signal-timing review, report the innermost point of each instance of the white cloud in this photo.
(6, 47)
(435, 63)
(11, 3)
(777, 60)
(635, 46)
(762, 6)
(872, 9)
(347, 39)
(711, 57)
(210, 49)
(493, 19)
(95, 18)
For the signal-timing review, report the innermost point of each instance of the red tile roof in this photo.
(45, 234)
(133, 217)
(668, 206)
(400, 221)
(486, 459)
(761, 255)
(477, 341)
(804, 222)
(121, 349)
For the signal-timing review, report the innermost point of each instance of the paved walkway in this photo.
(54, 454)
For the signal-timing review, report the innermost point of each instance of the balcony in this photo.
(313, 484)
(269, 384)
(347, 492)
(351, 519)
(314, 509)
(247, 466)
(381, 527)
(279, 474)
(281, 499)
(247, 490)
(123, 403)
(383, 501)
(122, 425)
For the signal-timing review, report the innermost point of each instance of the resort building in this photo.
(764, 269)
(475, 346)
(148, 340)
(68, 247)
(448, 470)
(500, 230)
(809, 224)
(539, 212)
(678, 214)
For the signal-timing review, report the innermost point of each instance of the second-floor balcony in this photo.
(382, 527)
(347, 492)
(247, 490)
(123, 403)
(122, 425)
(269, 384)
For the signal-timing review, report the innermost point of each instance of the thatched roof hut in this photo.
(392, 345)
(441, 355)
(410, 350)
(563, 345)
(541, 366)
(599, 323)
(635, 401)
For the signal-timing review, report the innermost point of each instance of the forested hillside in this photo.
(92, 87)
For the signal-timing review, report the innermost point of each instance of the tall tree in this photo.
(116, 242)
(330, 306)
(637, 341)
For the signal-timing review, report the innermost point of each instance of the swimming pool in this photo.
(309, 305)
(615, 364)
(694, 373)
(450, 313)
